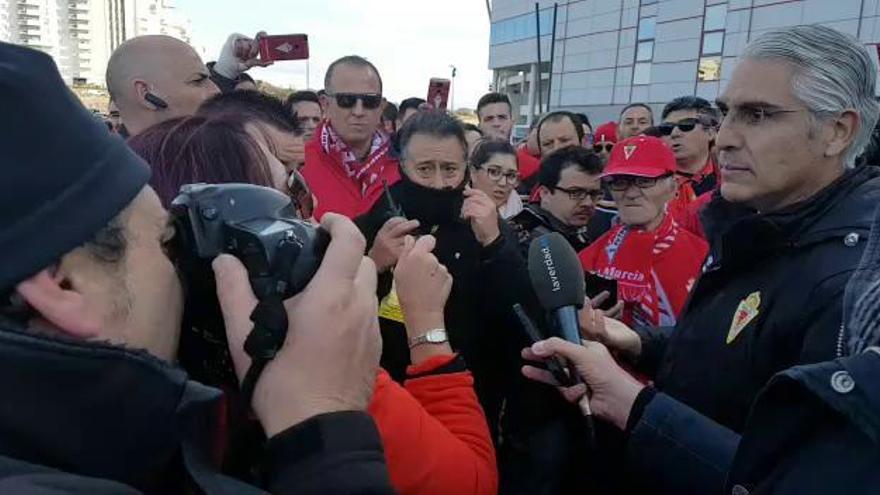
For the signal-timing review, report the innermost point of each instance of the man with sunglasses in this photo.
(688, 128)
(653, 260)
(569, 189)
(348, 159)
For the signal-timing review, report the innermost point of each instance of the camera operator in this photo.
(91, 309)
(434, 442)
(785, 237)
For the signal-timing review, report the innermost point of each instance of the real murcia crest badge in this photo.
(748, 310)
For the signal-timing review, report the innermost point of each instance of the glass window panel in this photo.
(716, 17)
(648, 2)
(647, 28)
(642, 73)
(645, 51)
(713, 43)
(709, 69)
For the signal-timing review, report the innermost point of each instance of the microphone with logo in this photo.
(558, 281)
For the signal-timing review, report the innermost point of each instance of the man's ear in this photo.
(141, 88)
(843, 132)
(53, 297)
(325, 103)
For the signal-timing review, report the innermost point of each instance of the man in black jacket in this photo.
(433, 197)
(570, 188)
(90, 313)
(785, 236)
(812, 429)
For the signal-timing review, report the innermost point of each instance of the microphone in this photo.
(558, 281)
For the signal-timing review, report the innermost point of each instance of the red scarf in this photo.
(628, 256)
(366, 173)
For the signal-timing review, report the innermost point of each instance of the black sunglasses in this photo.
(349, 100)
(686, 125)
(607, 146)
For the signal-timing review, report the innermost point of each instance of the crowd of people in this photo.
(730, 253)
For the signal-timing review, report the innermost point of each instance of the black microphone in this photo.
(558, 280)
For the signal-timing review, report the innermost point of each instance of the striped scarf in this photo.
(366, 173)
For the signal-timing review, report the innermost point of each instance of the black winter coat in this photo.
(90, 418)
(770, 297)
(476, 315)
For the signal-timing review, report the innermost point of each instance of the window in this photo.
(716, 18)
(645, 51)
(713, 43)
(642, 73)
(647, 28)
(521, 27)
(709, 69)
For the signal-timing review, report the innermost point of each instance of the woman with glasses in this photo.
(495, 171)
(654, 261)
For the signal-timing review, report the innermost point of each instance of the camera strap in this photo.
(264, 341)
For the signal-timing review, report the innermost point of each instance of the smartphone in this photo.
(438, 93)
(595, 284)
(284, 47)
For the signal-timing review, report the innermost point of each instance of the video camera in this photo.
(260, 227)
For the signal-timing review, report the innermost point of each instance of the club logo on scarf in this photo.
(628, 150)
(748, 310)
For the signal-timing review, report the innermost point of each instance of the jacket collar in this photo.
(99, 410)
(553, 223)
(737, 232)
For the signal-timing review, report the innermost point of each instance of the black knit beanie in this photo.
(63, 177)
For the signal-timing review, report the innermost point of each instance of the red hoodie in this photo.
(334, 190)
(434, 432)
(528, 163)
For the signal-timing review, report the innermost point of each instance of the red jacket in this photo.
(655, 271)
(434, 433)
(528, 163)
(334, 190)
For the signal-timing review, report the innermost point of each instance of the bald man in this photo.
(156, 78)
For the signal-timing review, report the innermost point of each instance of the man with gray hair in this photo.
(786, 235)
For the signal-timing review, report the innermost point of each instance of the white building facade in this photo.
(81, 34)
(609, 53)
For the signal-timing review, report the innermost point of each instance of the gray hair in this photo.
(832, 72)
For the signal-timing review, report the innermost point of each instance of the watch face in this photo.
(436, 336)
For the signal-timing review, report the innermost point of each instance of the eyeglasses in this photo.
(447, 171)
(578, 194)
(620, 183)
(753, 116)
(349, 100)
(301, 195)
(496, 174)
(607, 147)
(686, 125)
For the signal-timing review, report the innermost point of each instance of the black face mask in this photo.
(428, 205)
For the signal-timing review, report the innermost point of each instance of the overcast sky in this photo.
(410, 41)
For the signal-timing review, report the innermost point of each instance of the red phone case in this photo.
(438, 93)
(284, 47)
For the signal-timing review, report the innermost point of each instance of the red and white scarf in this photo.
(628, 257)
(366, 173)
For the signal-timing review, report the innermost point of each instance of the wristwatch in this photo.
(435, 336)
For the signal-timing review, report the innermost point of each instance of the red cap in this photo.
(642, 156)
(606, 133)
